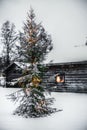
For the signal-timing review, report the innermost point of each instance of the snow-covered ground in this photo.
(73, 116)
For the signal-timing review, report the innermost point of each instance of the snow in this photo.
(2, 81)
(22, 65)
(73, 116)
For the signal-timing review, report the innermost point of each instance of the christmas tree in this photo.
(35, 44)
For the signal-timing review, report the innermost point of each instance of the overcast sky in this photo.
(65, 20)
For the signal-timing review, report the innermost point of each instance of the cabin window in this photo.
(60, 78)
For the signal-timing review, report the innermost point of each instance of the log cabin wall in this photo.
(75, 76)
(13, 72)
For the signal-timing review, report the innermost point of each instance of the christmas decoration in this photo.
(35, 44)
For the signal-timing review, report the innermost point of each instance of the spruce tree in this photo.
(8, 38)
(35, 45)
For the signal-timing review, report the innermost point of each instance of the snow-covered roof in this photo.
(67, 63)
(19, 64)
(22, 65)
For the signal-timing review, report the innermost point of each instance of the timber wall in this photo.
(75, 77)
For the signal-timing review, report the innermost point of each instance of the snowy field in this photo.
(73, 116)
